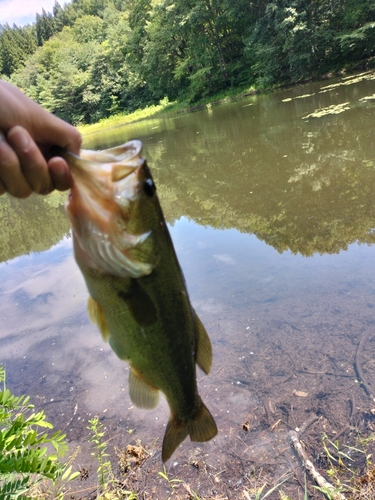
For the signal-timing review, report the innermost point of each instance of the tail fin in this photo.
(201, 427)
(175, 433)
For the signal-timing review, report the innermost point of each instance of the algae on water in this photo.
(335, 109)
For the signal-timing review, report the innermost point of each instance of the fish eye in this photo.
(149, 187)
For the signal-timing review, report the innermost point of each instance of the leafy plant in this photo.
(104, 470)
(109, 487)
(24, 459)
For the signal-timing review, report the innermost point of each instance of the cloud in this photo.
(23, 12)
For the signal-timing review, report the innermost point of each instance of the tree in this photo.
(89, 28)
(45, 27)
(16, 44)
(291, 41)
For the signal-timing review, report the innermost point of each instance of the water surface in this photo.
(270, 203)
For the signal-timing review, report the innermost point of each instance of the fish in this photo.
(137, 292)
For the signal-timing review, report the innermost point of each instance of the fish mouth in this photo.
(105, 185)
(94, 168)
(105, 178)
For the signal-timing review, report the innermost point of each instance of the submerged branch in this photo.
(294, 437)
(306, 424)
(348, 426)
(358, 367)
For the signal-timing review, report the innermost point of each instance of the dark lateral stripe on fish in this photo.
(140, 304)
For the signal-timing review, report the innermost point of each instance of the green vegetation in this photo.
(258, 491)
(109, 488)
(24, 459)
(346, 479)
(29, 470)
(172, 482)
(305, 188)
(120, 119)
(105, 475)
(92, 59)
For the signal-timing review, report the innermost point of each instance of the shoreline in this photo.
(166, 108)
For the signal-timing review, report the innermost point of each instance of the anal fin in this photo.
(141, 393)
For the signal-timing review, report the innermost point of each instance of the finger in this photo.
(60, 173)
(33, 163)
(11, 175)
(2, 188)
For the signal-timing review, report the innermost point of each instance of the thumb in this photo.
(54, 131)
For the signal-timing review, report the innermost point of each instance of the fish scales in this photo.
(136, 338)
(138, 297)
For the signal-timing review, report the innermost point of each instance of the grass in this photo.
(258, 493)
(124, 118)
(343, 476)
(165, 108)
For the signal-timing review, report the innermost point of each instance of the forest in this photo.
(91, 59)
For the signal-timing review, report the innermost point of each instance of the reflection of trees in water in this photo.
(31, 225)
(306, 187)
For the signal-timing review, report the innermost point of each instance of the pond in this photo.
(270, 204)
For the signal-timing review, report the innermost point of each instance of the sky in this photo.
(23, 12)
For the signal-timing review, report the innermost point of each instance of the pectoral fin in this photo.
(204, 348)
(96, 315)
(141, 393)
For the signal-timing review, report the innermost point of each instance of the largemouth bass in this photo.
(138, 297)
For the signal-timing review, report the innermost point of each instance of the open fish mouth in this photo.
(106, 184)
(126, 154)
(105, 179)
(97, 170)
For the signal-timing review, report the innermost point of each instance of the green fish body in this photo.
(138, 297)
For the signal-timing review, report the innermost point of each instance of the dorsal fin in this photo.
(204, 348)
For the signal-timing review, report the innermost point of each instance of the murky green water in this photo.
(271, 206)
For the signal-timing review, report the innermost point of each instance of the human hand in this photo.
(27, 134)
